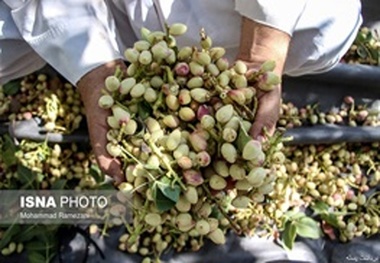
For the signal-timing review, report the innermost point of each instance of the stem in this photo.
(141, 227)
(118, 72)
(255, 106)
(214, 135)
(372, 167)
(171, 172)
(246, 111)
(127, 225)
(376, 210)
(275, 140)
(159, 102)
(371, 212)
(367, 204)
(118, 103)
(235, 227)
(169, 75)
(250, 112)
(105, 228)
(136, 160)
(253, 76)
(121, 132)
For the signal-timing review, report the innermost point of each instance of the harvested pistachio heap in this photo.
(27, 164)
(58, 105)
(180, 124)
(47, 165)
(55, 102)
(338, 182)
(349, 113)
(365, 49)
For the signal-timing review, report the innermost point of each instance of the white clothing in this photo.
(75, 36)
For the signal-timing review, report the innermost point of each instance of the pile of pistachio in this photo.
(314, 190)
(180, 124)
(365, 49)
(31, 165)
(348, 113)
(59, 109)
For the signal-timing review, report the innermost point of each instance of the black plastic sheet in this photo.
(76, 249)
(362, 82)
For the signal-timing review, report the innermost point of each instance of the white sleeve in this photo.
(73, 36)
(280, 14)
(17, 58)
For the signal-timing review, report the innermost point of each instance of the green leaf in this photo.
(320, 208)
(340, 213)
(144, 110)
(162, 202)
(243, 138)
(59, 184)
(25, 175)
(36, 257)
(215, 213)
(291, 215)
(96, 173)
(38, 246)
(46, 238)
(289, 235)
(28, 233)
(362, 51)
(360, 38)
(165, 196)
(331, 219)
(8, 151)
(294, 214)
(167, 190)
(307, 227)
(12, 87)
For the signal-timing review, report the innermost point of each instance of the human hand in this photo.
(267, 114)
(268, 107)
(90, 88)
(258, 44)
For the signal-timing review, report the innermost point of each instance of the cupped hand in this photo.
(258, 44)
(268, 107)
(90, 87)
(267, 114)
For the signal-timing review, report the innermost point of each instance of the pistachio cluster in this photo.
(56, 103)
(348, 113)
(343, 177)
(335, 184)
(365, 49)
(49, 164)
(180, 124)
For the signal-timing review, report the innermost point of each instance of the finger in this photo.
(90, 87)
(267, 115)
(98, 128)
(108, 164)
(258, 127)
